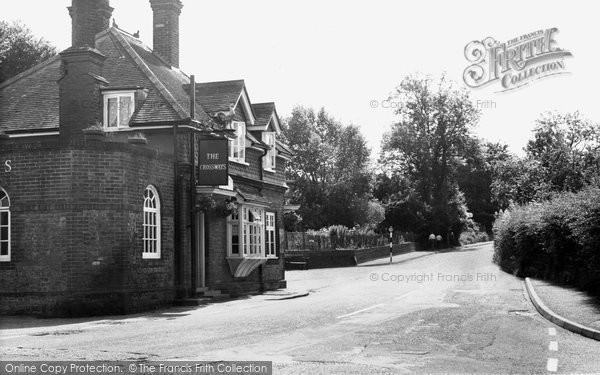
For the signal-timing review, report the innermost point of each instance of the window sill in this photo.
(237, 161)
(270, 170)
(250, 257)
(150, 256)
(118, 129)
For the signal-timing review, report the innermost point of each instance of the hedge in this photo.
(557, 240)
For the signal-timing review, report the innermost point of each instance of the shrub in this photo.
(558, 240)
(473, 234)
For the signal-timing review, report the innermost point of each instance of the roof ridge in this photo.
(215, 82)
(29, 71)
(151, 76)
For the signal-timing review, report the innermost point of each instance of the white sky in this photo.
(344, 54)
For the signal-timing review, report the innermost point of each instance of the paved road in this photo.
(451, 312)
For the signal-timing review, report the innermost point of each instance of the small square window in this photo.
(118, 109)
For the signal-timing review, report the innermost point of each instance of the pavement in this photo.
(451, 312)
(567, 307)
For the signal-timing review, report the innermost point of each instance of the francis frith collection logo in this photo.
(514, 63)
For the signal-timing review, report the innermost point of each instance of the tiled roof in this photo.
(263, 112)
(29, 101)
(218, 96)
(167, 100)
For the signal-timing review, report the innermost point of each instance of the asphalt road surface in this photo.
(452, 312)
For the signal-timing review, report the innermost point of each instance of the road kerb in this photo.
(557, 319)
(281, 297)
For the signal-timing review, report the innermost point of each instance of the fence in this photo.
(297, 241)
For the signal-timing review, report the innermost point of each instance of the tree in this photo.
(426, 146)
(563, 155)
(330, 169)
(566, 147)
(475, 176)
(20, 50)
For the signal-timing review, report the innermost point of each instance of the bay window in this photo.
(251, 233)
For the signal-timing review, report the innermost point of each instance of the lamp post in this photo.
(391, 232)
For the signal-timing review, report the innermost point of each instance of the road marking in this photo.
(552, 364)
(359, 311)
(553, 346)
(405, 294)
(552, 331)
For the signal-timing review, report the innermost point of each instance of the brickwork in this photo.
(88, 17)
(77, 214)
(166, 29)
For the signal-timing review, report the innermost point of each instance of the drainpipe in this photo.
(262, 177)
(176, 249)
(192, 186)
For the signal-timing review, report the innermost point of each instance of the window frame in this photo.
(270, 230)
(251, 234)
(271, 157)
(238, 144)
(156, 238)
(118, 95)
(3, 208)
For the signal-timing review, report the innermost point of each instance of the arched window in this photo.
(4, 226)
(151, 224)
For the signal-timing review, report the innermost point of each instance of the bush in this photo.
(558, 240)
(473, 234)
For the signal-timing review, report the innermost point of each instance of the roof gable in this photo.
(266, 118)
(225, 96)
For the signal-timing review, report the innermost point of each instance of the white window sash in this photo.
(6, 257)
(269, 139)
(270, 245)
(121, 123)
(237, 150)
(151, 236)
(251, 235)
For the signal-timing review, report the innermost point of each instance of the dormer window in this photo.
(237, 146)
(269, 139)
(118, 109)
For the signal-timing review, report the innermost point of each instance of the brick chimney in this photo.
(80, 98)
(166, 29)
(88, 18)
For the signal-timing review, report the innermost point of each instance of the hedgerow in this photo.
(557, 240)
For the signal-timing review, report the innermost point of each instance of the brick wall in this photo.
(77, 213)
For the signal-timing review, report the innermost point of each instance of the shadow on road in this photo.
(28, 321)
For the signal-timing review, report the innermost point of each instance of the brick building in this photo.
(104, 205)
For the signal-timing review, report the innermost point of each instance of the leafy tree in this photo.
(20, 50)
(475, 176)
(330, 169)
(426, 146)
(563, 155)
(566, 148)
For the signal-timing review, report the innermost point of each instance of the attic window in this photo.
(269, 139)
(118, 109)
(237, 146)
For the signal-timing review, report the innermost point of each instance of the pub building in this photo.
(126, 186)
